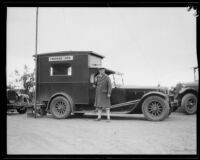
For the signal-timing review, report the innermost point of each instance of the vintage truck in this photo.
(17, 101)
(64, 86)
(186, 96)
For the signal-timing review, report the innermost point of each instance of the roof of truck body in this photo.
(72, 52)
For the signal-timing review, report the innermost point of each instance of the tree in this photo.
(27, 79)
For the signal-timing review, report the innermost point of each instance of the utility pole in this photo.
(36, 50)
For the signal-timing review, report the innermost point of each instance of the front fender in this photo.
(184, 91)
(151, 93)
(64, 95)
(165, 96)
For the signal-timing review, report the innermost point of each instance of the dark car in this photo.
(186, 96)
(65, 86)
(17, 101)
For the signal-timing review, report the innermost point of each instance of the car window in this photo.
(116, 80)
(112, 80)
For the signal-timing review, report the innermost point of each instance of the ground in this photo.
(125, 134)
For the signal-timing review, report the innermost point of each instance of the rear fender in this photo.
(61, 94)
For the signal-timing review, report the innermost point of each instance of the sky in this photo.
(148, 45)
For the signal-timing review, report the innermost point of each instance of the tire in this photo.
(60, 107)
(189, 103)
(155, 108)
(22, 110)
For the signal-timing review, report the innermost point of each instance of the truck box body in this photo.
(66, 72)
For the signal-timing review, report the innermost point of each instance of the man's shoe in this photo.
(108, 120)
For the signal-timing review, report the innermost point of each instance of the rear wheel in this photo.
(60, 107)
(155, 108)
(189, 103)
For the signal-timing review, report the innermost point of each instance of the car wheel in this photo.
(22, 110)
(60, 107)
(189, 103)
(155, 108)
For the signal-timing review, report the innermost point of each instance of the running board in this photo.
(115, 106)
(94, 112)
(125, 104)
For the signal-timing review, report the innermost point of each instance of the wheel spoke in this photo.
(150, 109)
(190, 103)
(155, 108)
(60, 107)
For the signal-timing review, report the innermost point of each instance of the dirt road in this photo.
(125, 134)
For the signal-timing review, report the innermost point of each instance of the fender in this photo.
(64, 95)
(151, 93)
(183, 91)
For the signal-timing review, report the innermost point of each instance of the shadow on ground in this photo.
(91, 116)
(113, 117)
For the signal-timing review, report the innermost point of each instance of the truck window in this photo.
(92, 78)
(60, 70)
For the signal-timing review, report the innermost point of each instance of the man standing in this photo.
(103, 92)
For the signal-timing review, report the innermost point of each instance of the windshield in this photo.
(116, 80)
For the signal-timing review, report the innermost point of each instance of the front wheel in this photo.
(189, 103)
(155, 108)
(60, 107)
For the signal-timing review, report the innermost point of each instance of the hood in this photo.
(186, 85)
(190, 84)
(143, 87)
(150, 88)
